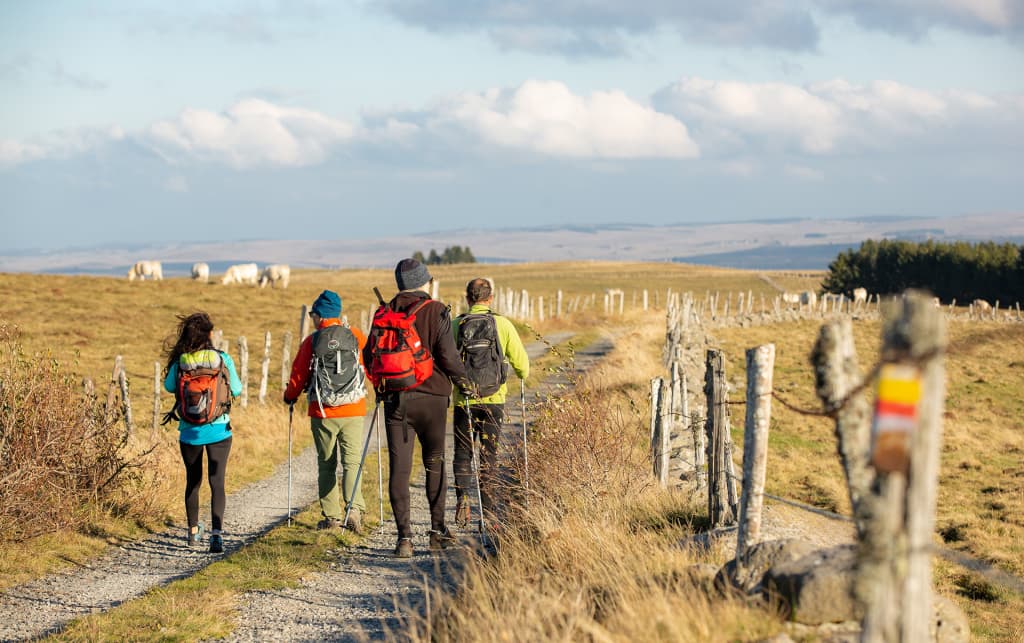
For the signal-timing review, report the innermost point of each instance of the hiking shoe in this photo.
(441, 539)
(193, 538)
(330, 523)
(462, 514)
(404, 548)
(355, 521)
(216, 544)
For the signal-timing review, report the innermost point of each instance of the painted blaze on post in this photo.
(899, 394)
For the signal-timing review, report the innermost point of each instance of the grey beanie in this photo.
(411, 274)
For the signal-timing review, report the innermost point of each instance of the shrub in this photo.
(59, 454)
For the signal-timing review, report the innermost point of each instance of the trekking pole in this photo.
(526, 459)
(291, 409)
(476, 474)
(380, 467)
(359, 471)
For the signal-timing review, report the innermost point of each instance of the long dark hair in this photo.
(193, 335)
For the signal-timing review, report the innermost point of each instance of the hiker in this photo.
(203, 381)
(329, 367)
(418, 400)
(488, 343)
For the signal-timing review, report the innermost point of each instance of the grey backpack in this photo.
(337, 376)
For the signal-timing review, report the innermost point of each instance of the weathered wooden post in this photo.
(540, 308)
(760, 362)
(645, 299)
(157, 385)
(265, 368)
(243, 370)
(660, 446)
(112, 388)
(894, 575)
(435, 288)
(558, 304)
(655, 402)
(303, 322)
(837, 374)
(720, 511)
(126, 401)
(286, 359)
(217, 339)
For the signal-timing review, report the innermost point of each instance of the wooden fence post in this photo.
(243, 370)
(894, 579)
(265, 368)
(303, 323)
(720, 511)
(659, 435)
(836, 375)
(112, 388)
(126, 401)
(286, 359)
(760, 362)
(157, 385)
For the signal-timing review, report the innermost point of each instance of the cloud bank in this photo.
(579, 28)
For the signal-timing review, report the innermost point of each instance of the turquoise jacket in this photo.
(511, 346)
(197, 434)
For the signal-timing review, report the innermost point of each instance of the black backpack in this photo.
(337, 376)
(481, 352)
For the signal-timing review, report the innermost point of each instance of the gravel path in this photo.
(367, 594)
(45, 605)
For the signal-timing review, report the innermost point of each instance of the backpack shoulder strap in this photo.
(415, 309)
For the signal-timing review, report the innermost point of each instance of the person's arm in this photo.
(233, 381)
(300, 371)
(171, 381)
(514, 350)
(446, 355)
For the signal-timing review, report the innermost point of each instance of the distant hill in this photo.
(805, 244)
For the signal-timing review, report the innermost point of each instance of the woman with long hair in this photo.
(203, 381)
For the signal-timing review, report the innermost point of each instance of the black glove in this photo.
(469, 390)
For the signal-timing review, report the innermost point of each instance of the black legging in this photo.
(409, 416)
(217, 455)
(486, 424)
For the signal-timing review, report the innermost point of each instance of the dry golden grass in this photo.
(85, 321)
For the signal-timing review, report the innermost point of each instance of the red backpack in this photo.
(203, 392)
(398, 359)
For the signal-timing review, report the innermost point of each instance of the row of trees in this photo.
(958, 270)
(452, 254)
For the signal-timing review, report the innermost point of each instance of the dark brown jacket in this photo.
(434, 326)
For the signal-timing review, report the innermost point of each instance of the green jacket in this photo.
(511, 346)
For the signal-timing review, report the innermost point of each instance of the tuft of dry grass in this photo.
(62, 457)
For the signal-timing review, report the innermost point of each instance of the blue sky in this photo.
(139, 122)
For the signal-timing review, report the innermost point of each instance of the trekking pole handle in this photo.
(380, 299)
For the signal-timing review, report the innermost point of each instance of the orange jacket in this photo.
(300, 377)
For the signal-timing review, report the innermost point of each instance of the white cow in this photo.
(791, 298)
(274, 274)
(981, 306)
(809, 298)
(860, 295)
(200, 272)
(241, 273)
(143, 269)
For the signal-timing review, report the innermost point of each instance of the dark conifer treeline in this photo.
(959, 270)
(452, 254)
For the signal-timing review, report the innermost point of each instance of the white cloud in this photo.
(249, 134)
(833, 117)
(60, 144)
(547, 118)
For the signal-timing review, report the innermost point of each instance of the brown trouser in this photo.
(423, 415)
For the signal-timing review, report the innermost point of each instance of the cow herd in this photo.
(276, 274)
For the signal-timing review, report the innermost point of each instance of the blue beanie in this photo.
(327, 305)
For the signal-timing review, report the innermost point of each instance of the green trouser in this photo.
(331, 435)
